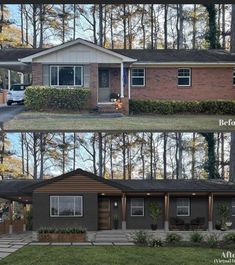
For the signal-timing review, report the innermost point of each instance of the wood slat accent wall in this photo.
(77, 183)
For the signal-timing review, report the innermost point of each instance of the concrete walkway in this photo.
(11, 243)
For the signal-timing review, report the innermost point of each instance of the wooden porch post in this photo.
(210, 211)
(122, 81)
(24, 217)
(123, 211)
(166, 211)
(129, 83)
(11, 217)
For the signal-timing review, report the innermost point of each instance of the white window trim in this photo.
(233, 206)
(189, 77)
(133, 207)
(74, 78)
(188, 207)
(137, 77)
(65, 216)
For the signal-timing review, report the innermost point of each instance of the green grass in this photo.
(94, 122)
(58, 255)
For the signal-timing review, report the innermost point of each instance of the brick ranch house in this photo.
(80, 198)
(133, 74)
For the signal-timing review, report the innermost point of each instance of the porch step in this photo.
(111, 236)
(107, 108)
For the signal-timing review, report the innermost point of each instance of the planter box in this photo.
(62, 237)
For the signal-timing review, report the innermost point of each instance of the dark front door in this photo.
(104, 214)
(104, 86)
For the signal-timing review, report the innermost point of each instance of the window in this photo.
(184, 77)
(234, 76)
(66, 206)
(138, 77)
(233, 206)
(137, 207)
(66, 75)
(183, 207)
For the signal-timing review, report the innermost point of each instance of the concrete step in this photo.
(106, 108)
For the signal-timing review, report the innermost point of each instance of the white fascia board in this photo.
(180, 64)
(71, 43)
(12, 63)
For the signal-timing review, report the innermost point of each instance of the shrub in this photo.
(44, 98)
(173, 106)
(212, 240)
(155, 243)
(140, 238)
(69, 230)
(196, 237)
(230, 237)
(173, 238)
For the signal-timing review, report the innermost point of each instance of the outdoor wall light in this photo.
(148, 194)
(115, 204)
(102, 194)
(194, 194)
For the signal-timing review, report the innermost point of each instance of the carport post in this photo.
(9, 78)
(122, 80)
(22, 78)
(11, 217)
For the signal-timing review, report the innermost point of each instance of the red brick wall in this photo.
(37, 74)
(93, 83)
(207, 83)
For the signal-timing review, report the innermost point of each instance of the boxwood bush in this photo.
(174, 107)
(45, 98)
(68, 230)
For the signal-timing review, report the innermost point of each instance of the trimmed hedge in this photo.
(44, 98)
(174, 107)
(68, 230)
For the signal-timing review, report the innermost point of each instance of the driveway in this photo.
(9, 112)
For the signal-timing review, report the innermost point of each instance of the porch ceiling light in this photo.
(193, 193)
(115, 204)
(148, 194)
(102, 194)
(19, 198)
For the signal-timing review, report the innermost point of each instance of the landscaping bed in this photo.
(62, 235)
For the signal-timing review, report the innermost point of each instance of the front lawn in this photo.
(72, 255)
(95, 122)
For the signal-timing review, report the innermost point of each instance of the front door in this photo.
(104, 214)
(104, 86)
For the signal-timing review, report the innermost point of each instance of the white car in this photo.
(16, 94)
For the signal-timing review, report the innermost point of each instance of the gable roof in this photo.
(73, 173)
(72, 43)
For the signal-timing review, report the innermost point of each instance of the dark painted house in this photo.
(80, 198)
(134, 74)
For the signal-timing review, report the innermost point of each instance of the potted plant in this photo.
(223, 212)
(115, 221)
(154, 213)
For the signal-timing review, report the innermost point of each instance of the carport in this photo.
(10, 60)
(12, 193)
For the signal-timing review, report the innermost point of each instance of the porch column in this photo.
(129, 83)
(9, 78)
(210, 211)
(11, 217)
(123, 211)
(24, 218)
(166, 211)
(122, 81)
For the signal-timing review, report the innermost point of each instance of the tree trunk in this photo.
(194, 25)
(233, 30)
(101, 25)
(100, 154)
(165, 155)
(165, 26)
